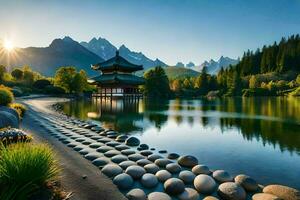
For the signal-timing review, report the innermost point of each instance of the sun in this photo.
(8, 45)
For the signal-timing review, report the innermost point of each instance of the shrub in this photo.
(50, 89)
(296, 92)
(25, 168)
(41, 84)
(13, 135)
(6, 96)
(20, 108)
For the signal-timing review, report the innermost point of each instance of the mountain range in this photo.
(68, 52)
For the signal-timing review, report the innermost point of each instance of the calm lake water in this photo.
(259, 137)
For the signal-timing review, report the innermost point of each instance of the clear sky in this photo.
(172, 30)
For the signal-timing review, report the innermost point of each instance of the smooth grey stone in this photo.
(158, 196)
(121, 138)
(173, 156)
(104, 140)
(123, 181)
(104, 149)
(136, 172)
(143, 162)
(162, 151)
(154, 157)
(222, 176)
(92, 156)
(119, 158)
(173, 168)
(152, 149)
(86, 142)
(189, 194)
(149, 180)
(204, 184)
(143, 146)
(101, 161)
(162, 162)
(136, 194)
(121, 147)
(112, 170)
(135, 157)
(127, 152)
(132, 141)
(96, 145)
(146, 152)
(163, 175)
(187, 161)
(126, 164)
(84, 151)
(112, 153)
(201, 169)
(72, 144)
(151, 168)
(112, 144)
(96, 137)
(187, 176)
(174, 186)
(79, 139)
(231, 191)
(246, 182)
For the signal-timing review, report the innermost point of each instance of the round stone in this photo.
(86, 142)
(135, 157)
(149, 180)
(126, 164)
(154, 157)
(100, 162)
(112, 170)
(187, 176)
(265, 196)
(146, 152)
(283, 192)
(162, 162)
(111, 153)
(79, 139)
(104, 140)
(95, 145)
(132, 141)
(246, 182)
(136, 172)
(143, 162)
(127, 152)
(201, 169)
(222, 176)
(119, 158)
(210, 198)
(231, 191)
(158, 196)
(187, 161)
(143, 146)
(204, 184)
(189, 194)
(174, 186)
(104, 149)
(79, 147)
(151, 168)
(173, 156)
(121, 147)
(84, 151)
(112, 144)
(163, 175)
(136, 194)
(92, 156)
(162, 151)
(121, 138)
(173, 168)
(123, 181)
(72, 144)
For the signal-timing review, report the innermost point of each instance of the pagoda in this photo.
(117, 79)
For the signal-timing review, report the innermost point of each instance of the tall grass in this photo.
(24, 168)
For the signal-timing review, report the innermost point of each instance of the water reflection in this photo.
(273, 121)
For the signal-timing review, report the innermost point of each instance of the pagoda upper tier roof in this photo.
(116, 78)
(117, 63)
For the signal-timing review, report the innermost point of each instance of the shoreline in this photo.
(44, 108)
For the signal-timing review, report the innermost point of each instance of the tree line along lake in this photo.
(256, 136)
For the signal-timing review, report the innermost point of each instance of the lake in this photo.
(259, 137)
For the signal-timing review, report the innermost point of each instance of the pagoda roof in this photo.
(116, 78)
(117, 63)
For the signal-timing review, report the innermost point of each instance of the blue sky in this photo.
(172, 30)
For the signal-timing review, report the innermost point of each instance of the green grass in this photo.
(25, 168)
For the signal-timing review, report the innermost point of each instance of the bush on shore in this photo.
(24, 169)
(20, 108)
(13, 135)
(6, 96)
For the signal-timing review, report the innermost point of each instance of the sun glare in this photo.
(8, 45)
